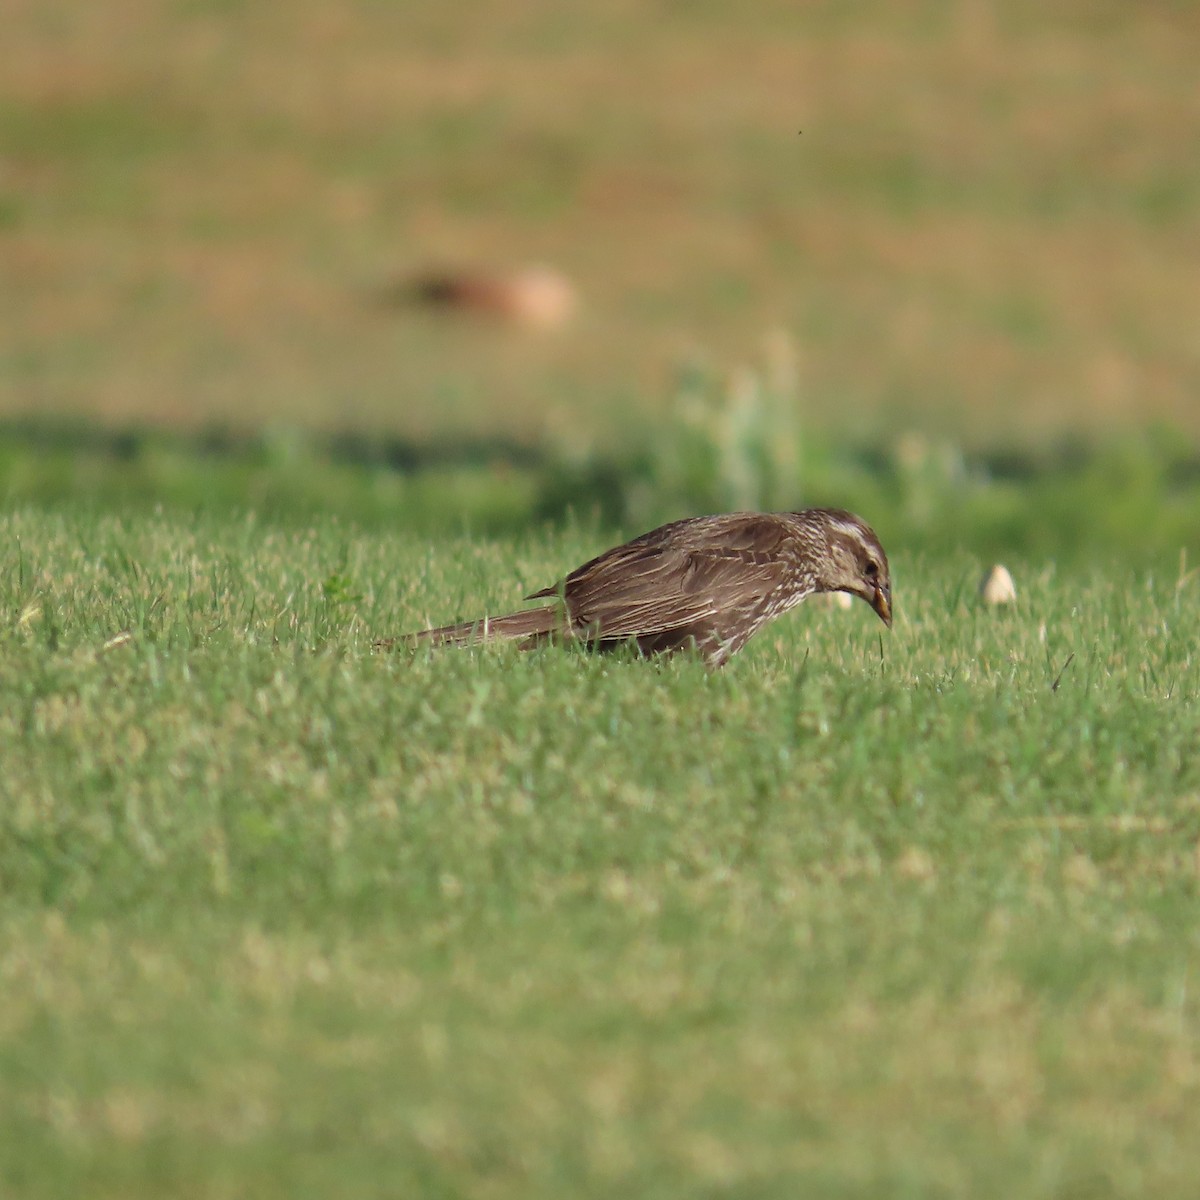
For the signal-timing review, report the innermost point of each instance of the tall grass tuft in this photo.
(732, 442)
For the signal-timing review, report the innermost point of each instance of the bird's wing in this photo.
(654, 584)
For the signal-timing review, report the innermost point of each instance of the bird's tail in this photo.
(532, 625)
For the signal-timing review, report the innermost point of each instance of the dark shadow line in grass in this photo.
(347, 447)
(365, 448)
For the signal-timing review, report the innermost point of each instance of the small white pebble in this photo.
(834, 599)
(997, 586)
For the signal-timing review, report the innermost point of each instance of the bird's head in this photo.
(855, 562)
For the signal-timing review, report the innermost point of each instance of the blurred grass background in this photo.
(974, 219)
(862, 915)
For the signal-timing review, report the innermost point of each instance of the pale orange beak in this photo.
(881, 602)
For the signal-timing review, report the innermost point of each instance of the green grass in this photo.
(856, 916)
(865, 914)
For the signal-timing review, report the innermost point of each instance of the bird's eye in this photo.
(871, 569)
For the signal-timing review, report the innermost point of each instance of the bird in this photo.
(707, 584)
(536, 297)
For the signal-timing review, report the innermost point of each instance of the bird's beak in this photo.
(881, 602)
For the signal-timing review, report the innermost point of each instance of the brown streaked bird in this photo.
(708, 583)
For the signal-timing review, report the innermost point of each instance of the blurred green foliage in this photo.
(1133, 499)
